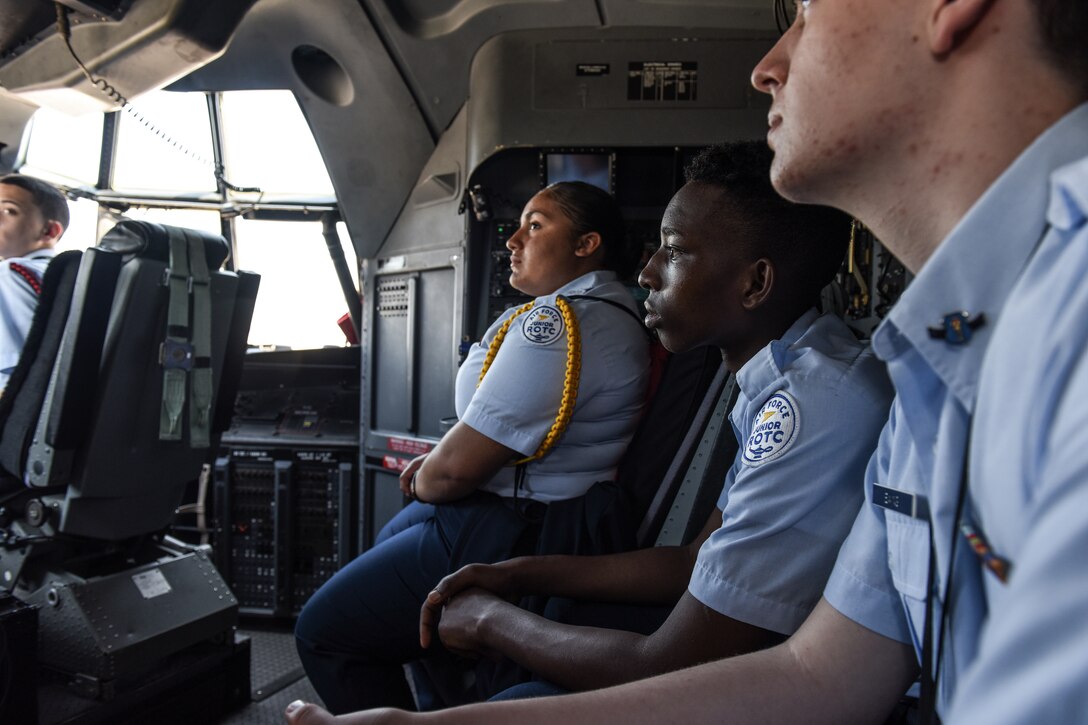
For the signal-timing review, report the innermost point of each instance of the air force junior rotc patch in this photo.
(773, 431)
(542, 325)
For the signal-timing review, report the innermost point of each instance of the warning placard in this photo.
(591, 69)
(407, 445)
(151, 583)
(662, 81)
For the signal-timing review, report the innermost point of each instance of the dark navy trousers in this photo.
(356, 633)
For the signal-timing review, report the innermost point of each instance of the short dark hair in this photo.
(592, 209)
(806, 243)
(1063, 25)
(50, 202)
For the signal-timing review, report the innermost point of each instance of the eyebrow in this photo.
(530, 213)
(670, 232)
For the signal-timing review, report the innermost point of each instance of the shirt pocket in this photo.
(908, 554)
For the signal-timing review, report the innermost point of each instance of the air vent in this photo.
(393, 297)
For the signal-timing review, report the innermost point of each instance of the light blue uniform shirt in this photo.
(517, 402)
(808, 414)
(1029, 478)
(18, 300)
(1023, 460)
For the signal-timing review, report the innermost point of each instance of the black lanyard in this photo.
(931, 670)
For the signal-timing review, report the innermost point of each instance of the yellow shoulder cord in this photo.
(570, 380)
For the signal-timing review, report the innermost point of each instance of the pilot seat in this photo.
(127, 379)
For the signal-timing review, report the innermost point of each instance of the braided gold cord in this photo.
(500, 335)
(571, 378)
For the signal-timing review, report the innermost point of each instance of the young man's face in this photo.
(22, 225)
(844, 97)
(696, 277)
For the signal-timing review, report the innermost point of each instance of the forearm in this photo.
(576, 658)
(765, 687)
(436, 487)
(832, 670)
(462, 461)
(646, 576)
(762, 688)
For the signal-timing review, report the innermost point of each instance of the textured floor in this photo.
(277, 679)
(274, 662)
(269, 711)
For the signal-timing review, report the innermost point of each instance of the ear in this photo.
(51, 232)
(587, 244)
(759, 284)
(950, 21)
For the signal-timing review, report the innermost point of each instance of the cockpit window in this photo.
(63, 147)
(299, 301)
(267, 144)
(165, 145)
(273, 194)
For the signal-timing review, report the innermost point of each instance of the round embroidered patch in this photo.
(542, 325)
(773, 431)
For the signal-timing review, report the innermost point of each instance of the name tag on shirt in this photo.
(908, 504)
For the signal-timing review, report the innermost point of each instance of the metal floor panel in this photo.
(277, 678)
(270, 710)
(274, 663)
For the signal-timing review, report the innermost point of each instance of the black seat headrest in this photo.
(146, 239)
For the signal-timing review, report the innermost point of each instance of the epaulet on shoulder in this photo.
(28, 275)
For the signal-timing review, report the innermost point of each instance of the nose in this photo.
(648, 278)
(770, 73)
(518, 238)
(515, 239)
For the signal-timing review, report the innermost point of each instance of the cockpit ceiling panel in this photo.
(127, 46)
(433, 42)
(430, 42)
(429, 19)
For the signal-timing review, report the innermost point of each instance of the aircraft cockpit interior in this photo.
(175, 489)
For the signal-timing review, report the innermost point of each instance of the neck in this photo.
(581, 271)
(931, 195)
(25, 251)
(974, 111)
(763, 332)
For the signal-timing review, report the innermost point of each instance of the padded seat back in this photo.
(98, 431)
(661, 451)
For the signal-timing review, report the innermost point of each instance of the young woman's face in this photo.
(543, 251)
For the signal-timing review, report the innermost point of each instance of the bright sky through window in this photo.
(166, 153)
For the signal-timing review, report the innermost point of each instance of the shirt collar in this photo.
(975, 267)
(765, 367)
(43, 253)
(1069, 196)
(587, 282)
